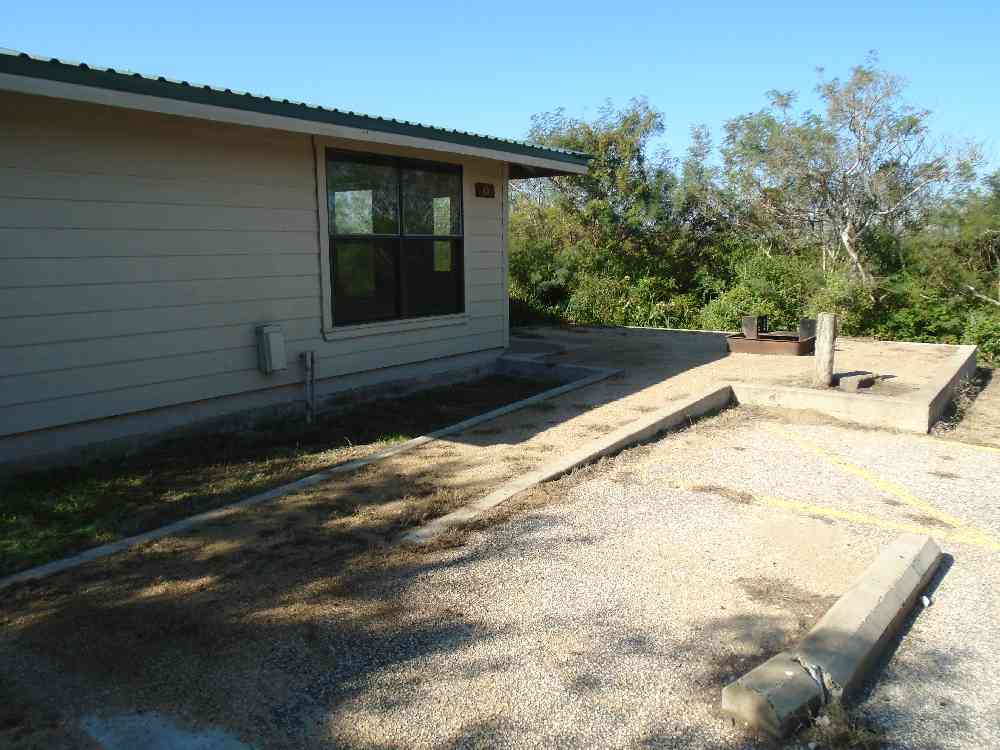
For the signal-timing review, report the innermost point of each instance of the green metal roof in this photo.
(22, 64)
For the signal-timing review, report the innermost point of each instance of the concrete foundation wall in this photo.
(940, 393)
(108, 437)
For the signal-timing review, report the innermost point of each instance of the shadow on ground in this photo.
(266, 626)
(261, 624)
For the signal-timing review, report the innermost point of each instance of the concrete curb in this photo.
(185, 524)
(635, 432)
(915, 413)
(940, 392)
(860, 408)
(834, 658)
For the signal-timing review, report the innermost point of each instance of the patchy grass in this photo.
(49, 514)
(297, 592)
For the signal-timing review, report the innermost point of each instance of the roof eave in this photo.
(527, 172)
(526, 160)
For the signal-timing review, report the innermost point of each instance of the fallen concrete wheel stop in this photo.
(837, 655)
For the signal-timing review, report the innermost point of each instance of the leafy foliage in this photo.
(851, 211)
(866, 164)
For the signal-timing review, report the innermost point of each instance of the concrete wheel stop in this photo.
(633, 433)
(834, 658)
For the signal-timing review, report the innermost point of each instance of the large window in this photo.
(395, 237)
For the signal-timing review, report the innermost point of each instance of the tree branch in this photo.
(980, 296)
(902, 201)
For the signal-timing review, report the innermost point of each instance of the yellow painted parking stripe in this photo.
(958, 531)
(962, 535)
(956, 535)
(887, 487)
(890, 488)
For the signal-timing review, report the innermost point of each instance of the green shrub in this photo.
(776, 286)
(524, 312)
(649, 301)
(724, 312)
(983, 330)
(846, 298)
(912, 310)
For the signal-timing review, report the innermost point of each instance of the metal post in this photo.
(308, 360)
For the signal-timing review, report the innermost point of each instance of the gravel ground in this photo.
(616, 615)
(603, 610)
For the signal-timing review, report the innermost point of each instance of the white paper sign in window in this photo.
(442, 215)
(442, 256)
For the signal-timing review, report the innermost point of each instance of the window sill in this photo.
(393, 326)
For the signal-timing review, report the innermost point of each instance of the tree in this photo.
(959, 250)
(624, 199)
(866, 164)
(699, 201)
(609, 245)
(979, 241)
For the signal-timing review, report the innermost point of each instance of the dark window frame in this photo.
(400, 237)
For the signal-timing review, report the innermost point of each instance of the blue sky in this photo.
(488, 67)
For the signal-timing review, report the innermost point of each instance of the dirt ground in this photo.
(603, 610)
(51, 513)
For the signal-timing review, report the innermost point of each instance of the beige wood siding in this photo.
(139, 251)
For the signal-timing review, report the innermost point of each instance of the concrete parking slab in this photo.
(914, 383)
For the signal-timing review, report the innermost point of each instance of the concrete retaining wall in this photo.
(916, 412)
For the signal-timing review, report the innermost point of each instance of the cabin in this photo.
(172, 253)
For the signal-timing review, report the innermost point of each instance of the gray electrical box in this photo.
(271, 356)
